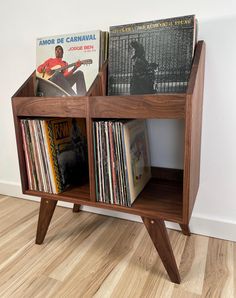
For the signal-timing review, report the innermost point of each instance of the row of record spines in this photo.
(38, 166)
(110, 163)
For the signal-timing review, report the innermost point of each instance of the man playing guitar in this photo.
(56, 70)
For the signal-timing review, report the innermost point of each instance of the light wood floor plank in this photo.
(13, 209)
(156, 282)
(77, 248)
(218, 271)
(89, 255)
(3, 197)
(11, 242)
(30, 257)
(234, 264)
(39, 286)
(135, 275)
(109, 284)
(178, 292)
(100, 260)
(192, 267)
(228, 290)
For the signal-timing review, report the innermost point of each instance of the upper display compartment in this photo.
(97, 105)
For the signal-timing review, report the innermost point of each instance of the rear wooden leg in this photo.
(46, 211)
(158, 233)
(185, 229)
(76, 208)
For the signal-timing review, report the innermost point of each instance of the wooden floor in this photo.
(89, 255)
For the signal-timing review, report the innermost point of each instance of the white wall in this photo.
(23, 21)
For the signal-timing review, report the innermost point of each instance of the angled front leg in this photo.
(158, 233)
(46, 211)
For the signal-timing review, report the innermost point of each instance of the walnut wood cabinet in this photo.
(170, 194)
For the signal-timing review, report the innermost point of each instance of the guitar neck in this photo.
(65, 67)
(88, 61)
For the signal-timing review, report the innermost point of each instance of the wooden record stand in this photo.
(171, 193)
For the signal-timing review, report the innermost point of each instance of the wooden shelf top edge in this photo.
(169, 106)
(157, 96)
(177, 217)
(17, 99)
(80, 193)
(140, 106)
(50, 106)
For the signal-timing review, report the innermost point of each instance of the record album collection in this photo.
(122, 160)
(143, 58)
(55, 153)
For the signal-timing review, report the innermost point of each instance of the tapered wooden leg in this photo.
(46, 211)
(185, 229)
(76, 208)
(158, 233)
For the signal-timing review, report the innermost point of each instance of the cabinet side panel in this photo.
(28, 88)
(193, 127)
(20, 150)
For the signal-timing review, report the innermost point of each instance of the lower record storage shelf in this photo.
(160, 198)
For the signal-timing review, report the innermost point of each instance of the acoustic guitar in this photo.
(59, 68)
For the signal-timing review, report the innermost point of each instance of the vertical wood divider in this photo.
(89, 124)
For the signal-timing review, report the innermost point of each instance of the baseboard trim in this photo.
(199, 224)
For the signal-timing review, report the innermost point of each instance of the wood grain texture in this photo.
(50, 106)
(234, 264)
(135, 275)
(99, 85)
(46, 211)
(20, 150)
(155, 283)
(139, 250)
(158, 233)
(115, 258)
(193, 264)
(174, 205)
(110, 249)
(193, 125)
(28, 88)
(87, 234)
(221, 270)
(160, 198)
(168, 106)
(167, 174)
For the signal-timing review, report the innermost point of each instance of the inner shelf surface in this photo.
(160, 198)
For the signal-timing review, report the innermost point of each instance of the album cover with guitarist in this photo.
(66, 65)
